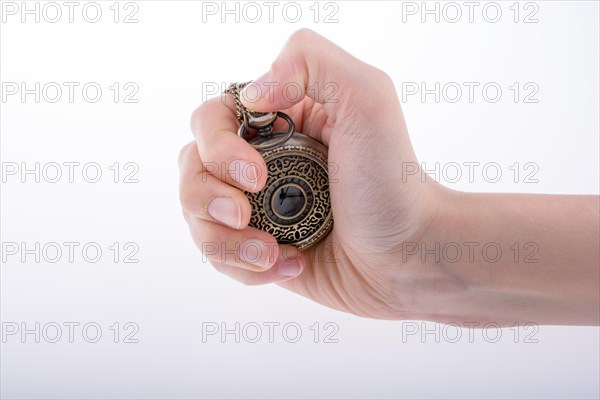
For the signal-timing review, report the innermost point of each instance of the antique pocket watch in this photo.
(294, 206)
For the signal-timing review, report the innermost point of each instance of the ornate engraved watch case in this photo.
(294, 206)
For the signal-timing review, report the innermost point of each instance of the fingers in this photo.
(224, 154)
(248, 248)
(250, 256)
(213, 170)
(310, 65)
(218, 215)
(284, 270)
(217, 212)
(203, 196)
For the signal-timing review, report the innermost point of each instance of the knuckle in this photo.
(381, 77)
(298, 43)
(248, 279)
(188, 200)
(385, 90)
(386, 84)
(185, 215)
(185, 151)
(202, 112)
(276, 69)
(205, 112)
(196, 116)
(301, 37)
(245, 278)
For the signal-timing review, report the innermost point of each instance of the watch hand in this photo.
(283, 195)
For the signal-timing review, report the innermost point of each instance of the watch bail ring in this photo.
(271, 144)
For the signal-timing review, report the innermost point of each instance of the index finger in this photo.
(226, 155)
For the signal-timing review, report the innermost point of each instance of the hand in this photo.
(362, 266)
(359, 118)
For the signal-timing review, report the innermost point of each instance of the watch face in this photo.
(288, 200)
(294, 205)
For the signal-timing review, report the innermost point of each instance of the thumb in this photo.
(309, 66)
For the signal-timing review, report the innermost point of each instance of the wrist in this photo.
(496, 258)
(437, 289)
(456, 262)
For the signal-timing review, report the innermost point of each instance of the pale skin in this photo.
(371, 264)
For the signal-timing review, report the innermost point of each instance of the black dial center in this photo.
(288, 201)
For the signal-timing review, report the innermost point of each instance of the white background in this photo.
(173, 50)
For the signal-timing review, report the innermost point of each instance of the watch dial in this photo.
(294, 206)
(288, 200)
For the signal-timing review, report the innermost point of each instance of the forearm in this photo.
(525, 258)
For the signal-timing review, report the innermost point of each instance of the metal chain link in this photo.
(235, 89)
(260, 122)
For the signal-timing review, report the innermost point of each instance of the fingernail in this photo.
(226, 211)
(244, 172)
(256, 252)
(291, 265)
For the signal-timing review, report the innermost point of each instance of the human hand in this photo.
(363, 266)
(355, 112)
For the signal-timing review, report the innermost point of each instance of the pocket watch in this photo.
(295, 205)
